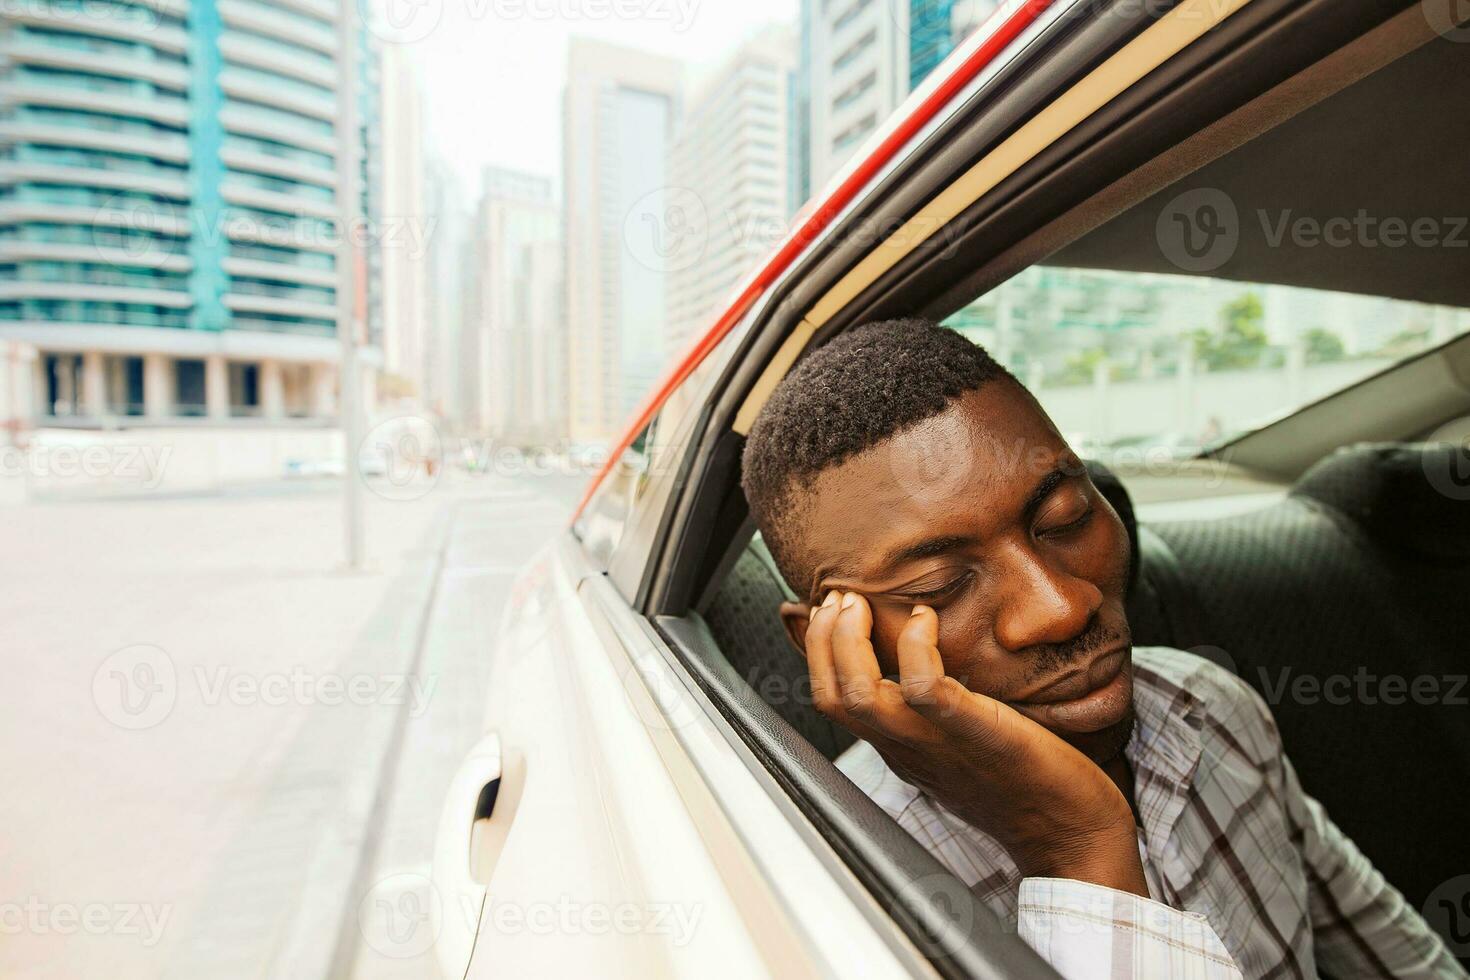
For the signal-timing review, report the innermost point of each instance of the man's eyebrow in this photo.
(1046, 485)
(940, 544)
(927, 548)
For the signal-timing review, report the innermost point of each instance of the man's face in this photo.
(986, 515)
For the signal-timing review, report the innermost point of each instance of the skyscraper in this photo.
(619, 112)
(407, 227)
(729, 166)
(513, 348)
(799, 115)
(169, 215)
(860, 60)
(447, 272)
(858, 73)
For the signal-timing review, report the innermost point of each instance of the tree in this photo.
(1322, 345)
(1241, 339)
(1079, 367)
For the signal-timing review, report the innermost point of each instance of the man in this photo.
(1129, 811)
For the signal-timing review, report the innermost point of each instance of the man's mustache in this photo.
(1049, 659)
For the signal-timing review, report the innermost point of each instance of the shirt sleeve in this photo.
(1361, 925)
(1088, 931)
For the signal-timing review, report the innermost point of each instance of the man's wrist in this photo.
(1110, 860)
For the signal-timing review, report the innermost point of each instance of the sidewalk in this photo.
(198, 705)
(492, 538)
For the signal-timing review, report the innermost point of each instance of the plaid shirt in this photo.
(1248, 874)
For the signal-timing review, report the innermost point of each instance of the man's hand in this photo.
(1057, 814)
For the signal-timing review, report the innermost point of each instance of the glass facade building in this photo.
(858, 61)
(169, 210)
(931, 37)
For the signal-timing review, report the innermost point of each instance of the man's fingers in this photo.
(847, 685)
(920, 668)
(940, 699)
(868, 696)
(852, 653)
(926, 687)
(826, 694)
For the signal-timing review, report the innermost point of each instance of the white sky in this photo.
(492, 70)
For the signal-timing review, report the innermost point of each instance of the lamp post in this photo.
(351, 280)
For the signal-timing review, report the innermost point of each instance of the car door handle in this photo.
(473, 824)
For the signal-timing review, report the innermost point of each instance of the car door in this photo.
(607, 824)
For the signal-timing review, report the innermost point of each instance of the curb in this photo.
(322, 939)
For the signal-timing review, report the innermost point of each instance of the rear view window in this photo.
(1140, 366)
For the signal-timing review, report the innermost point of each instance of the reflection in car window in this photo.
(601, 523)
(1139, 366)
(656, 451)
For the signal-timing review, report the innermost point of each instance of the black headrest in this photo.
(1409, 498)
(1116, 494)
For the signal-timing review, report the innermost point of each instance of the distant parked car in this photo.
(369, 464)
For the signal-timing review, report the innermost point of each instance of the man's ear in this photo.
(795, 616)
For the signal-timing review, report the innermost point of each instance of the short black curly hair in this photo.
(861, 388)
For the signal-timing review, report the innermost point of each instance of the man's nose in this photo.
(1041, 603)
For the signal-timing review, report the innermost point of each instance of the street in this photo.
(216, 740)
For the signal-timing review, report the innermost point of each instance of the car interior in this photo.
(1357, 555)
(1362, 562)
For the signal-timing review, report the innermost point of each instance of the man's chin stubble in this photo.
(1105, 746)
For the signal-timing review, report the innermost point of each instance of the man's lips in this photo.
(1087, 699)
(1078, 681)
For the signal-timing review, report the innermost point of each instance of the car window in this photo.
(600, 525)
(618, 525)
(1138, 368)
